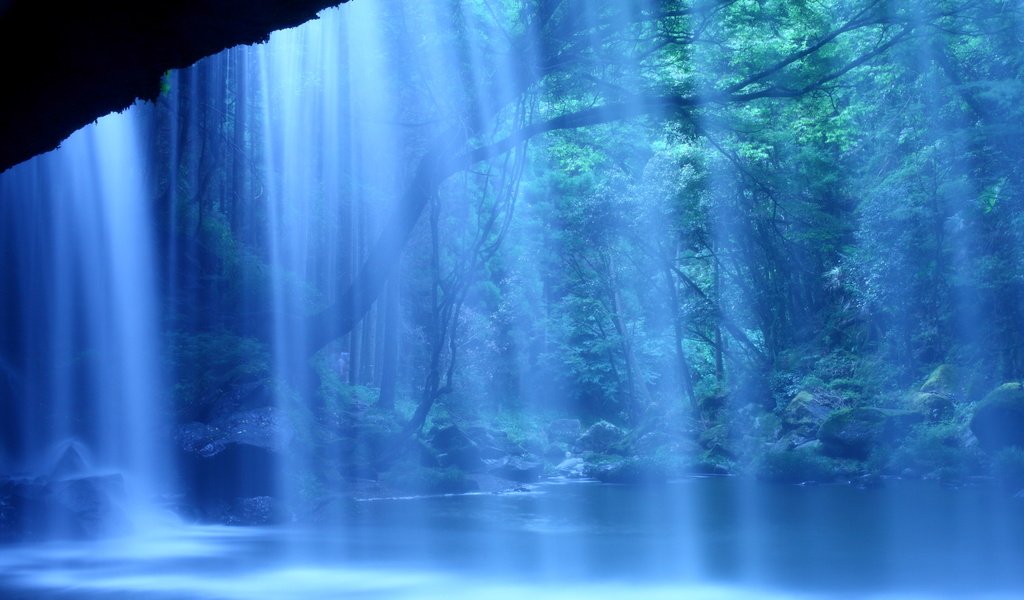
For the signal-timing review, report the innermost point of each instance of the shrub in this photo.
(935, 451)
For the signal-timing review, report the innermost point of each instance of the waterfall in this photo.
(80, 281)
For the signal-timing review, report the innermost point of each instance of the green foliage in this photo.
(165, 83)
(208, 366)
(935, 451)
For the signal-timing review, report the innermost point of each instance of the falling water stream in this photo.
(340, 106)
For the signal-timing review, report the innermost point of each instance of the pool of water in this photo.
(698, 538)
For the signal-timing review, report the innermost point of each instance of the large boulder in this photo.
(456, 449)
(65, 498)
(806, 412)
(262, 427)
(854, 432)
(522, 469)
(632, 470)
(600, 437)
(85, 507)
(235, 456)
(493, 444)
(564, 431)
(933, 405)
(998, 420)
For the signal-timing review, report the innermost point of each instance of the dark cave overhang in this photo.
(67, 63)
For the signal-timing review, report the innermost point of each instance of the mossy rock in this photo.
(600, 437)
(717, 442)
(942, 380)
(932, 405)
(855, 432)
(998, 420)
(805, 409)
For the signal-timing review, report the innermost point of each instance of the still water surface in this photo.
(698, 538)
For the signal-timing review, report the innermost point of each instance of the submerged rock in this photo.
(86, 507)
(998, 420)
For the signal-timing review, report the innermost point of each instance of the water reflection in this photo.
(597, 541)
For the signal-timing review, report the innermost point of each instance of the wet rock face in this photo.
(65, 501)
(253, 511)
(261, 427)
(235, 456)
(67, 65)
(998, 420)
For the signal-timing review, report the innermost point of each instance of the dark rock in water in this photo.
(631, 470)
(520, 468)
(233, 456)
(239, 470)
(998, 420)
(564, 431)
(70, 464)
(456, 449)
(600, 437)
(704, 467)
(854, 432)
(78, 508)
(92, 502)
(257, 510)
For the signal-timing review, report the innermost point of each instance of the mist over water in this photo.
(470, 300)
